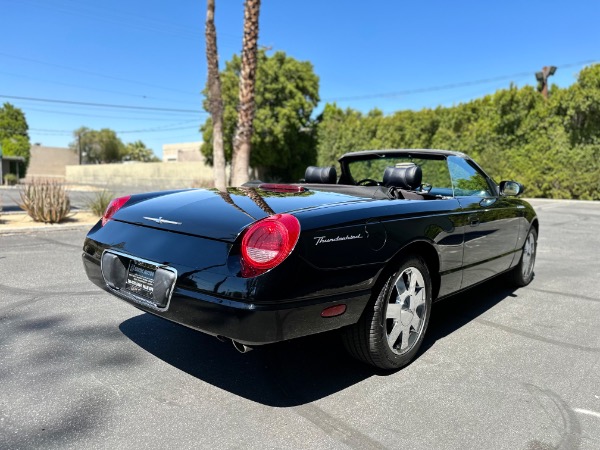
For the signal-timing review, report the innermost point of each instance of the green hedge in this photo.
(550, 145)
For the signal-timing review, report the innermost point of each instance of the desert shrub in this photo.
(99, 202)
(10, 179)
(45, 201)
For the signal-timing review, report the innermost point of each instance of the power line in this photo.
(185, 136)
(141, 23)
(162, 118)
(382, 95)
(449, 86)
(102, 105)
(96, 74)
(59, 83)
(147, 130)
(171, 127)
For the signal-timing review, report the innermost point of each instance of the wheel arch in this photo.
(536, 224)
(421, 248)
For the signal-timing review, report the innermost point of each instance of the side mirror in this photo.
(511, 188)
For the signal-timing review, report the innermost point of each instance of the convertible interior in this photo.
(401, 181)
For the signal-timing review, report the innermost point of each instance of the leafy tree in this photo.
(580, 106)
(103, 146)
(341, 131)
(14, 137)
(137, 151)
(283, 137)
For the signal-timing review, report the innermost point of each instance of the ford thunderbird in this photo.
(365, 250)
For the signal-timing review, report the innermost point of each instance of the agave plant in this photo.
(100, 201)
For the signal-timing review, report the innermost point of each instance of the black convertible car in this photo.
(367, 252)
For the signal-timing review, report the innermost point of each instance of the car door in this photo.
(490, 222)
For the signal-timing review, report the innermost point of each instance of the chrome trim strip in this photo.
(131, 296)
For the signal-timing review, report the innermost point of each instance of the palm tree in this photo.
(215, 100)
(241, 144)
(258, 200)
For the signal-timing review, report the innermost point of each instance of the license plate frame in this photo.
(141, 279)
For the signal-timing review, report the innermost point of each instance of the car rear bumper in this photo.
(247, 323)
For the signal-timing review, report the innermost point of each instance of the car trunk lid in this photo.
(221, 215)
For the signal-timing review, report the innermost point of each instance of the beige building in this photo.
(182, 152)
(50, 162)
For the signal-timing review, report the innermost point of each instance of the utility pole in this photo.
(542, 78)
(79, 149)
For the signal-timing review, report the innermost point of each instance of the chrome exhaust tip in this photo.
(242, 348)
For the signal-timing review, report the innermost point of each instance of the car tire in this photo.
(392, 327)
(522, 273)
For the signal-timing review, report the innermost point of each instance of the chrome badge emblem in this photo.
(326, 240)
(161, 220)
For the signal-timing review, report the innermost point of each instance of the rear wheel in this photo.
(392, 327)
(522, 274)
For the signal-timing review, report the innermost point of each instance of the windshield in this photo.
(435, 170)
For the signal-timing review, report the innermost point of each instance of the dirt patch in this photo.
(18, 221)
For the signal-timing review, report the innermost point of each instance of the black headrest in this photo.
(406, 176)
(316, 174)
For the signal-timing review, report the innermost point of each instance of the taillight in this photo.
(267, 243)
(114, 205)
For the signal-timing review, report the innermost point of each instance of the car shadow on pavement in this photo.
(284, 374)
(452, 313)
(294, 372)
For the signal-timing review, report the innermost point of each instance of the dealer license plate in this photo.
(140, 279)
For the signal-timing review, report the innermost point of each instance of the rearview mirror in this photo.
(511, 188)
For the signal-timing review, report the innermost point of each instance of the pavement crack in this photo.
(332, 426)
(44, 294)
(537, 337)
(336, 428)
(570, 427)
(578, 297)
(28, 301)
(63, 244)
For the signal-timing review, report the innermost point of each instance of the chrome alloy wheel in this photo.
(528, 256)
(406, 310)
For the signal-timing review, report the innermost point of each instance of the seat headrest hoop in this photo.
(406, 176)
(314, 174)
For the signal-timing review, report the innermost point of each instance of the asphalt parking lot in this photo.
(500, 368)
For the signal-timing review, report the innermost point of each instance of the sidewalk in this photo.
(20, 222)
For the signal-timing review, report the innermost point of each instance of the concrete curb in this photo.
(561, 200)
(44, 228)
(10, 230)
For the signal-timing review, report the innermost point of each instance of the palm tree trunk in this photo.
(253, 194)
(215, 99)
(242, 141)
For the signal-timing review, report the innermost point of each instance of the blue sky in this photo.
(392, 55)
